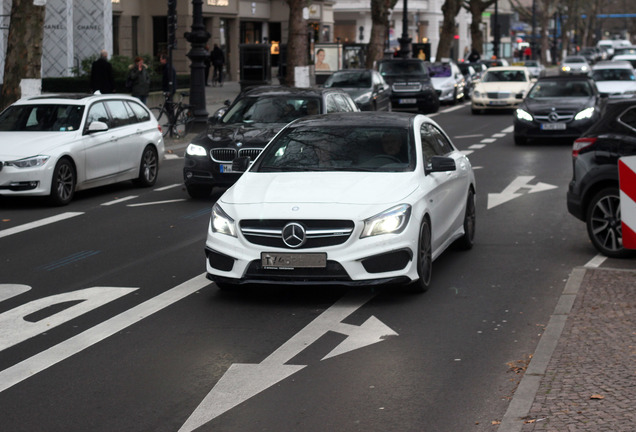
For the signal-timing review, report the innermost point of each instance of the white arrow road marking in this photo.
(119, 200)
(41, 361)
(242, 381)
(39, 223)
(11, 290)
(510, 192)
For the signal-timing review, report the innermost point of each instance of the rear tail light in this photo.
(580, 144)
(159, 127)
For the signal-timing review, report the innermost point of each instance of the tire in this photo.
(424, 259)
(63, 183)
(182, 124)
(148, 168)
(454, 101)
(162, 119)
(519, 140)
(467, 240)
(199, 191)
(604, 223)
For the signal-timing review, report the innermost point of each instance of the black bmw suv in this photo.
(593, 195)
(246, 126)
(411, 85)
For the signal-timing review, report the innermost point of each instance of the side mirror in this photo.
(241, 164)
(440, 164)
(97, 126)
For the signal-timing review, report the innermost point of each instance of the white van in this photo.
(610, 44)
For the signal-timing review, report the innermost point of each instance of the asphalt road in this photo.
(108, 324)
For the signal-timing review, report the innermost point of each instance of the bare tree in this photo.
(476, 9)
(296, 40)
(450, 9)
(24, 48)
(380, 19)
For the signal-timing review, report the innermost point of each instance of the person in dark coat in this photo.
(139, 79)
(102, 75)
(208, 63)
(169, 76)
(474, 56)
(218, 60)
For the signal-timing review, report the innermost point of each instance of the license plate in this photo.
(408, 101)
(226, 168)
(498, 102)
(290, 261)
(553, 126)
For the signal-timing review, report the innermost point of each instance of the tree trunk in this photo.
(379, 29)
(24, 48)
(297, 40)
(450, 9)
(476, 9)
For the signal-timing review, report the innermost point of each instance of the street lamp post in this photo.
(495, 44)
(405, 40)
(198, 38)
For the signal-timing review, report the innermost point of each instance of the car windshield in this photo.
(373, 149)
(397, 68)
(531, 63)
(560, 89)
(349, 80)
(613, 75)
(271, 109)
(439, 70)
(574, 60)
(504, 75)
(41, 118)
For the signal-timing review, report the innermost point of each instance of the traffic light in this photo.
(172, 23)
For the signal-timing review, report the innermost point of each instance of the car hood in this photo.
(616, 86)
(498, 86)
(356, 92)
(252, 135)
(439, 82)
(15, 145)
(390, 79)
(571, 103)
(276, 195)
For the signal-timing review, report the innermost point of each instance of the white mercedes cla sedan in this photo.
(344, 199)
(56, 145)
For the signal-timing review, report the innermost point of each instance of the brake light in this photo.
(159, 127)
(580, 144)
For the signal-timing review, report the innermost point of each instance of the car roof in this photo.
(70, 98)
(359, 119)
(500, 68)
(564, 78)
(574, 57)
(400, 59)
(611, 64)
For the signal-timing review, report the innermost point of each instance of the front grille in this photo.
(498, 95)
(319, 233)
(334, 272)
(251, 152)
(561, 116)
(223, 155)
(407, 87)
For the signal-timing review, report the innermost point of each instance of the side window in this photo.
(342, 103)
(98, 113)
(443, 146)
(629, 118)
(332, 105)
(428, 142)
(120, 114)
(140, 112)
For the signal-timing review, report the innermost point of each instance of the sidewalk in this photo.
(582, 376)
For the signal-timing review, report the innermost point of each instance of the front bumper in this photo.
(204, 171)
(26, 181)
(482, 103)
(536, 130)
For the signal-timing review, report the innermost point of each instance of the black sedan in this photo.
(593, 195)
(366, 87)
(246, 126)
(560, 107)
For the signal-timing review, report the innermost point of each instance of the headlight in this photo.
(523, 115)
(221, 222)
(30, 162)
(584, 68)
(391, 221)
(195, 150)
(585, 114)
(565, 68)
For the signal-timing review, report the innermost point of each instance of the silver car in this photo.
(575, 65)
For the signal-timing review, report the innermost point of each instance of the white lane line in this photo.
(117, 201)
(467, 152)
(498, 135)
(455, 108)
(156, 202)
(39, 223)
(172, 186)
(477, 146)
(468, 136)
(488, 140)
(596, 261)
(169, 156)
(508, 129)
(41, 361)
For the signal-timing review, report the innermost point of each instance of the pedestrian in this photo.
(169, 76)
(527, 53)
(138, 80)
(474, 56)
(218, 61)
(208, 63)
(102, 74)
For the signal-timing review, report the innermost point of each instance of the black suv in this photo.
(246, 126)
(593, 195)
(411, 85)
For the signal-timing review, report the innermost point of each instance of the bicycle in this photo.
(174, 118)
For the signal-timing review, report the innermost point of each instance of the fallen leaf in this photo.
(597, 396)
(495, 422)
(529, 421)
